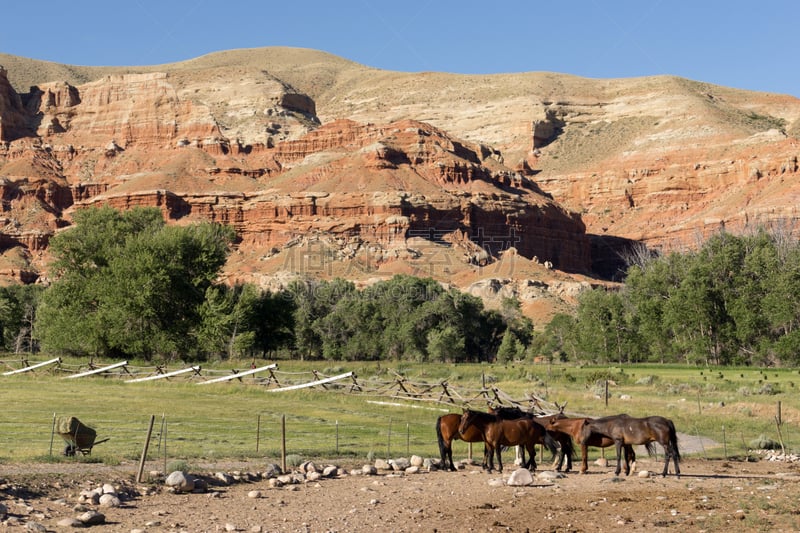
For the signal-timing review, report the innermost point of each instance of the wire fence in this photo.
(386, 433)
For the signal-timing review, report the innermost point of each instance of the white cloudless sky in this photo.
(747, 45)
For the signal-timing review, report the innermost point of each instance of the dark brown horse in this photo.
(574, 426)
(627, 430)
(498, 432)
(447, 432)
(565, 447)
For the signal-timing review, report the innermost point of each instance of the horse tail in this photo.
(651, 448)
(440, 438)
(673, 440)
(550, 443)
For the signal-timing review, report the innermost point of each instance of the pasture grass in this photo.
(241, 420)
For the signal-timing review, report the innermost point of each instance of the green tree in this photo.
(128, 285)
(510, 348)
(18, 304)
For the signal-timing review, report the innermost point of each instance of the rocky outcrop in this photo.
(294, 147)
(12, 117)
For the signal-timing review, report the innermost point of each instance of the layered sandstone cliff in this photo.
(371, 192)
(311, 156)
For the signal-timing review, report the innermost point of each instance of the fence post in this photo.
(258, 431)
(724, 443)
(144, 451)
(337, 438)
(52, 434)
(778, 415)
(283, 443)
(389, 441)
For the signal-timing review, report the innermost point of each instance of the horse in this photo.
(565, 447)
(573, 427)
(447, 432)
(498, 432)
(626, 430)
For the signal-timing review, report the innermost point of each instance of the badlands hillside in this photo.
(531, 184)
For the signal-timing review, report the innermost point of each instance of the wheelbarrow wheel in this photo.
(69, 450)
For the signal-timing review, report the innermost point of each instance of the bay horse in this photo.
(565, 447)
(626, 430)
(498, 432)
(447, 432)
(574, 426)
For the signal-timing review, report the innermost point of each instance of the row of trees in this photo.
(736, 300)
(128, 285)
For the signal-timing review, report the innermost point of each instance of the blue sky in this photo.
(747, 45)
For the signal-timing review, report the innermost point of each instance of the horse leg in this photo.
(558, 462)
(618, 443)
(449, 454)
(630, 458)
(532, 461)
(584, 458)
(499, 459)
(569, 459)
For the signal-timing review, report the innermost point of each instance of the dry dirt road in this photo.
(710, 495)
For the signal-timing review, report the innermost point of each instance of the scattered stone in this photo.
(400, 464)
(35, 526)
(520, 478)
(255, 494)
(231, 527)
(3, 511)
(180, 481)
(381, 464)
(313, 476)
(275, 483)
(369, 470)
(416, 460)
(108, 488)
(412, 470)
(92, 518)
(109, 500)
(644, 474)
(330, 471)
(225, 478)
(271, 471)
(70, 522)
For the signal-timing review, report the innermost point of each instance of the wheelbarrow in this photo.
(79, 437)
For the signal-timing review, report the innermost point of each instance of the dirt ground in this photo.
(711, 495)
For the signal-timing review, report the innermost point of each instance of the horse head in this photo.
(466, 420)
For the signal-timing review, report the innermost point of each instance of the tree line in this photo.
(127, 285)
(734, 301)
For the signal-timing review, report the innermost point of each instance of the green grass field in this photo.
(242, 419)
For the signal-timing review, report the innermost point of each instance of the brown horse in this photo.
(627, 430)
(498, 432)
(574, 426)
(447, 432)
(565, 447)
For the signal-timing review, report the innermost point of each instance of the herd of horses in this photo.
(510, 426)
